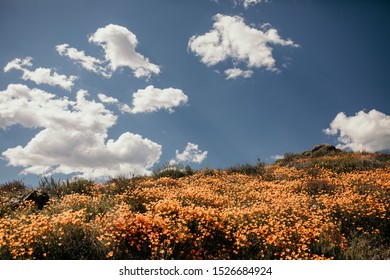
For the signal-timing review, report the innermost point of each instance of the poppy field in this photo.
(326, 207)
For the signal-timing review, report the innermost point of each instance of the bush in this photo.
(348, 163)
(119, 185)
(207, 172)
(13, 187)
(248, 169)
(61, 188)
(173, 171)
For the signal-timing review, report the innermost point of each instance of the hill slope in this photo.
(313, 205)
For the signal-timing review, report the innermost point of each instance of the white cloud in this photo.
(235, 73)
(90, 63)
(40, 75)
(364, 131)
(124, 108)
(119, 45)
(107, 99)
(248, 3)
(190, 154)
(73, 138)
(232, 38)
(276, 157)
(152, 99)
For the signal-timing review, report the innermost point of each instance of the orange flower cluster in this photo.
(294, 215)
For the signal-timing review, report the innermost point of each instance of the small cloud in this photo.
(364, 131)
(107, 99)
(40, 75)
(119, 45)
(232, 39)
(191, 153)
(235, 73)
(152, 99)
(248, 3)
(276, 157)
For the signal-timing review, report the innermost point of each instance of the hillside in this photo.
(319, 204)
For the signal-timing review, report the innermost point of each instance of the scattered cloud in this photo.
(276, 157)
(119, 45)
(235, 73)
(73, 138)
(245, 3)
(248, 3)
(107, 99)
(152, 99)
(40, 75)
(191, 153)
(231, 38)
(364, 131)
(90, 63)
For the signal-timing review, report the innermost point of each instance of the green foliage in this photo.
(120, 184)
(207, 171)
(14, 186)
(61, 188)
(289, 157)
(347, 164)
(173, 171)
(9, 191)
(248, 169)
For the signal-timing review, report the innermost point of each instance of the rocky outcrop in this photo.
(322, 150)
(39, 197)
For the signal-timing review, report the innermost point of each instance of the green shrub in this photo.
(14, 186)
(173, 171)
(248, 169)
(120, 184)
(207, 171)
(348, 164)
(61, 188)
(288, 157)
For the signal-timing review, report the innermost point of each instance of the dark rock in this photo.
(39, 197)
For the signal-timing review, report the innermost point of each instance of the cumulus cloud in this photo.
(231, 38)
(152, 99)
(191, 153)
(364, 131)
(73, 138)
(235, 73)
(119, 45)
(40, 75)
(107, 99)
(90, 63)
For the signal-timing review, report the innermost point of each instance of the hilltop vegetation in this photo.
(320, 204)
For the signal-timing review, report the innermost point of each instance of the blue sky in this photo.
(103, 88)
